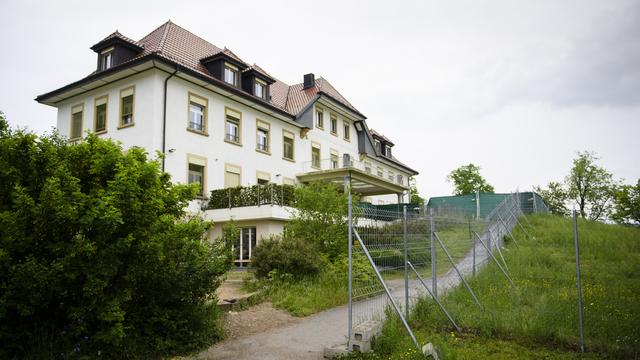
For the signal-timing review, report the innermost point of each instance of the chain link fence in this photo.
(398, 257)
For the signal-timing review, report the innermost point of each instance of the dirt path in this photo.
(275, 335)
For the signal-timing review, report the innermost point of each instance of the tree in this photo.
(320, 217)
(626, 208)
(467, 180)
(555, 196)
(414, 195)
(590, 186)
(97, 256)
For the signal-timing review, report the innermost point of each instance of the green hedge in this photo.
(256, 195)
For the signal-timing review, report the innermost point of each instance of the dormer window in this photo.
(230, 74)
(106, 59)
(377, 143)
(260, 89)
(387, 151)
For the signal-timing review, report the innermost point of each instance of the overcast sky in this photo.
(516, 87)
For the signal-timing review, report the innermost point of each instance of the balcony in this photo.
(364, 179)
(257, 202)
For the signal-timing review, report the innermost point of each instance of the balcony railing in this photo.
(341, 162)
(256, 195)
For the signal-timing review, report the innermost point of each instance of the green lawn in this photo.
(538, 318)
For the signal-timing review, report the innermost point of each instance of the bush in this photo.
(96, 255)
(288, 257)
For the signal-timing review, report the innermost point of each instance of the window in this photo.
(387, 151)
(106, 59)
(260, 89)
(244, 246)
(334, 125)
(263, 178)
(262, 136)
(232, 126)
(197, 113)
(76, 122)
(100, 115)
(378, 146)
(126, 106)
(390, 176)
(231, 175)
(196, 172)
(334, 159)
(319, 119)
(347, 131)
(367, 167)
(400, 180)
(315, 155)
(380, 173)
(288, 145)
(230, 74)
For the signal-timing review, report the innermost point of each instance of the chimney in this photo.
(309, 81)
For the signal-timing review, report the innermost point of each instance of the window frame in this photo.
(227, 169)
(333, 119)
(367, 167)
(319, 118)
(121, 125)
(332, 153)
(380, 171)
(387, 150)
(316, 145)
(263, 175)
(95, 113)
(292, 136)
(259, 83)
(346, 130)
(202, 101)
(71, 127)
(265, 126)
(233, 69)
(198, 160)
(228, 113)
(104, 54)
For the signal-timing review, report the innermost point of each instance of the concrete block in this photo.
(366, 330)
(360, 346)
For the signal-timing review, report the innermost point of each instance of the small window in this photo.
(196, 175)
(262, 136)
(232, 126)
(263, 178)
(315, 156)
(334, 125)
(319, 119)
(230, 74)
(126, 106)
(380, 172)
(378, 146)
(334, 159)
(76, 122)
(288, 149)
(100, 121)
(347, 131)
(390, 176)
(367, 167)
(197, 113)
(231, 176)
(400, 180)
(387, 151)
(106, 59)
(260, 89)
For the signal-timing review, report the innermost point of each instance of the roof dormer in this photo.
(226, 66)
(382, 144)
(114, 50)
(256, 82)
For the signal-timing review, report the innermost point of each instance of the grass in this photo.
(538, 318)
(306, 296)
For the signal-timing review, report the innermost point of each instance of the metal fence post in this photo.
(350, 276)
(473, 244)
(434, 275)
(477, 205)
(575, 240)
(406, 260)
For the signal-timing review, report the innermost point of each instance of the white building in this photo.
(224, 123)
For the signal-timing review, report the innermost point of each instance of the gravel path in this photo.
(307, 337)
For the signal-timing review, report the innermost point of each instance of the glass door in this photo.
(244, 246)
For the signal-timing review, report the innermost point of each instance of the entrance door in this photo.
(243, 248)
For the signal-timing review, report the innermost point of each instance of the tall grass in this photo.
(539, 317)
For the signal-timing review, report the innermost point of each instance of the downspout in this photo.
(164, 117)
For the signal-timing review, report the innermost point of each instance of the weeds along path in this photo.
(307, 338)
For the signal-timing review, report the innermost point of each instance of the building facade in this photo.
(225, 124)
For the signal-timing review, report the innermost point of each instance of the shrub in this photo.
(290, 257)
(97, 257)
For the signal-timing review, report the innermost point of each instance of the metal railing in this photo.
(398, 257)
(341, 162)
(256, 195)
